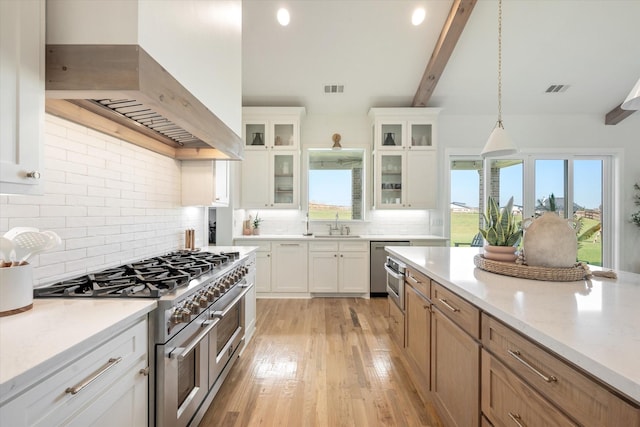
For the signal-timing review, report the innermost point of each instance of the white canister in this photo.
(16, 289)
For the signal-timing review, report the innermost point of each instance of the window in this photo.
(573, 186)
(336, 184)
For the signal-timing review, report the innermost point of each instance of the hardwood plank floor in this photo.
(319, 362)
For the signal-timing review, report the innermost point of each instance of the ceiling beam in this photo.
(453, 26)
(617, 115)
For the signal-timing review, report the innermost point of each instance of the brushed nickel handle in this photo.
(289, 244)
(144, 371)
(413, 278)
(449, 306)
(518, 356)
(33, 174)
(94, 376)
(517, 419)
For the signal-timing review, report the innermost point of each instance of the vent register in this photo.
(124, 84)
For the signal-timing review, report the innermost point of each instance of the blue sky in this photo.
(327, 186)
(549, 179)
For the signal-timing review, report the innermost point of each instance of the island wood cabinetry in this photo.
(405, 151)
(22, 104)
(271, 166)
(455, 358)
(418, 327)
(105, 386)
(339, 267)
(482, 372)
(205, 183)
(521, 380)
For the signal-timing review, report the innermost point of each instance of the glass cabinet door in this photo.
(283, 179)
(283, 135)
(391, 180)
(421, 135)
(391, 135)
(254, 135)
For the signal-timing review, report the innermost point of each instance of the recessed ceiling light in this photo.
(418, 16)
(283, 17)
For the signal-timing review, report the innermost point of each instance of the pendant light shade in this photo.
(633, 100)
(499, 143)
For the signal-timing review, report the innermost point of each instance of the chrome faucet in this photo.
(333, 227)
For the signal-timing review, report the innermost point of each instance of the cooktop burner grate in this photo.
(149, 278)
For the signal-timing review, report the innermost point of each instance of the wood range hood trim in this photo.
(77, 75)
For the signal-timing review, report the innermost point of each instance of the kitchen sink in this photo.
(336, 236)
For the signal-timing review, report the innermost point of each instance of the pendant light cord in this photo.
(500, 64)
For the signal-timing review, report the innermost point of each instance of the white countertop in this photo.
(369, 237)
(594, 324)
(54, 330)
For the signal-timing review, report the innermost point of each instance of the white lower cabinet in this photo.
(107, 386)
(339, 267)
(250, 301)
(289, 267)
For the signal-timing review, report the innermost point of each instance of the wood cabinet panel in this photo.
(581, 397)
(507, 400)
(418, 336)
(455, 372)
(462, 312)
(396, 323)
(419, 281)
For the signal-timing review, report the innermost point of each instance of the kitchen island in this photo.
(593, 324)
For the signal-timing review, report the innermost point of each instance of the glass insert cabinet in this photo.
(271, 165)
(405, 153)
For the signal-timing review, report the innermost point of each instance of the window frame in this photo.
(610, 188)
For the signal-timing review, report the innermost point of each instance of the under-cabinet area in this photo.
(477, 369)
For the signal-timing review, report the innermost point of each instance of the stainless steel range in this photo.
(197, 331)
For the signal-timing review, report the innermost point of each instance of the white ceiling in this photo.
(371, 48)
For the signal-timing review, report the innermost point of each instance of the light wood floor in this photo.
(319, 362)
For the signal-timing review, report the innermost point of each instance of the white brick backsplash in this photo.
(110, 202)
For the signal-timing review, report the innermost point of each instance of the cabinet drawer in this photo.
(506, 400)
(465, 314)
(262, 246)
(327, 246)
(419, 282)
(581, 397)
(52, 402)
(396, 323)
(353, 246)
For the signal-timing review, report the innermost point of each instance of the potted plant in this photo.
(256, 224)
(502, 232)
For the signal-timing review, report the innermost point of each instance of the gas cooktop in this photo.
(149, 278)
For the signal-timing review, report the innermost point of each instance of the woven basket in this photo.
(554, 274)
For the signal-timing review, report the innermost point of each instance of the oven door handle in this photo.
(221, 314)
(184, 351)
(393, 274)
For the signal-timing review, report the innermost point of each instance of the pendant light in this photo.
(633, 100)
(499, 143)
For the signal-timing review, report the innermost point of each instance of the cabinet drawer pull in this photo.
(289, 244)
(449, 306)
(413, 279)
(516, 355)
(94, 376)
(516, 419)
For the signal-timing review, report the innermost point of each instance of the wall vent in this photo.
(333, 88)
(557, 88)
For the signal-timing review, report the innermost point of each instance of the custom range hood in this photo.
(122, 91)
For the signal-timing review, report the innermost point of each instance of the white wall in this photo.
(110, 201)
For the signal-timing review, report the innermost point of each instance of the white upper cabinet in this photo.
(405, 151)
(404, 128)
(271, 166)
(198, 42)
(22, 100)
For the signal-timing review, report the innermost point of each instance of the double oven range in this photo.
(197, 330)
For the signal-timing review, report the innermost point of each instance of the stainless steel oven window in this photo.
(187, 377)
(227, 327)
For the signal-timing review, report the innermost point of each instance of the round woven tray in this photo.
(554, 274)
